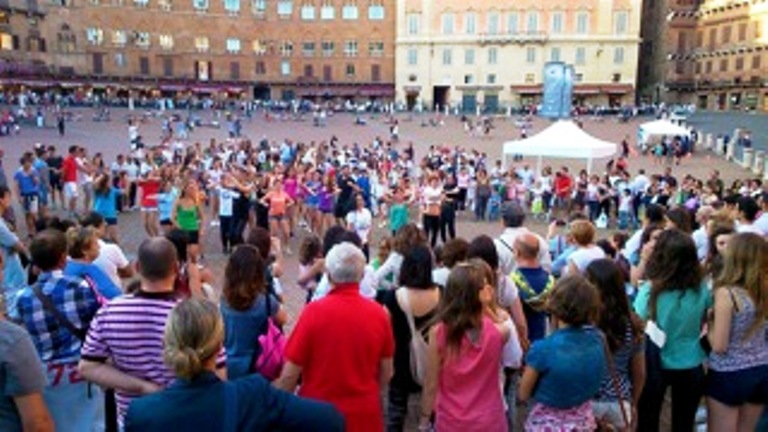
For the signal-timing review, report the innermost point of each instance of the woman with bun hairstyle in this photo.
(199, 400)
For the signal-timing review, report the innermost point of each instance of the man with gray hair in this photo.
(342, 345)
(513, 217)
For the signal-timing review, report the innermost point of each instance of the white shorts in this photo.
(70, 190)
(611, 413)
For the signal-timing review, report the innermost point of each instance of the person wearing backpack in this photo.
(534, 284)
(412, 308)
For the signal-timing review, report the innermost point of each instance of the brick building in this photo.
(268, 49)
(706, 52)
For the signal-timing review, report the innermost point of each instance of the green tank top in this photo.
(187, 218)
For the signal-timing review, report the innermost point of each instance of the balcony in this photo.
(521, 38)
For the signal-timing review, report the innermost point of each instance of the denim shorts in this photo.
(737, 388)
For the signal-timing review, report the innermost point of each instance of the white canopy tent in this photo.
(564, 139)
(659, 128)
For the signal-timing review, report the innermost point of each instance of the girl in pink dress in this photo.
(462, 386)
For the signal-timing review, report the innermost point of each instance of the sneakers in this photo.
(215, 223)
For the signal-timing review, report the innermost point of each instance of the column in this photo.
(746, 160)
(757, 164)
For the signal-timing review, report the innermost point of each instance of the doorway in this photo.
(262, 92)
(410, 100)
(440, 98)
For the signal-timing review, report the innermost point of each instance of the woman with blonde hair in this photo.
(737, 382)
(199, 400)
(582, 235)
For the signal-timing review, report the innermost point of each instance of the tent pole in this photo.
(538, 165)
(589, 166)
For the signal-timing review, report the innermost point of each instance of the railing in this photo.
(517, 37)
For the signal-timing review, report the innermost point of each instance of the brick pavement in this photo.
(111, 138)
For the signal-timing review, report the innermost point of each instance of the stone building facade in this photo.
(491, 54)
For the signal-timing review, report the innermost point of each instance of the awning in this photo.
(617, 88)
(587, 89)
(174, 87)
(527, 89)
(412, 88)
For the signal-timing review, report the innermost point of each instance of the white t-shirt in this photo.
(110, 259)
(583, 256)
(225, 201)
(361, 221)
(432, 195)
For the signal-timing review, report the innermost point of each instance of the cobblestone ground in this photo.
(111, 138)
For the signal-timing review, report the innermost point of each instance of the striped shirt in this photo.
(129, 331)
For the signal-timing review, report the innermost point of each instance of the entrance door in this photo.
(492, 103)
(469, 102)
(703, 102)
(440, 98)
(410, 100)
(262, 92)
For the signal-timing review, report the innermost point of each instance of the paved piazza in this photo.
(111, 138)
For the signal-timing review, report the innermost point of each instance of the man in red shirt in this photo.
(563, 189)
(342, 346)
(69, 169)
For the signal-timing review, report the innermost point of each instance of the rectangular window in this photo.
(327, 73)
(165, 5)
(469, 79)
(233, 46)
(491, 79)
(119, 38)
(259, 47)
(166, 42)
(95, 35)
(413, 56)
(284, 11)
(530, 55)
(447, 56)
(308, 49)
(470, 23)
(620, 22)
(756, 62)
(554, 54)
(259, 7)
(350, 48)
(578, 77)
(616, 77)
(327, 11)
(513, 23)
(447, 23)
(232, 6)
(493, 23)
(376, 12)
(533, 22)
(375, 73)
(285, 67)
(712, 38)
(309, 71)
(234, 70)
(98, 63)
(739, 63)
(709, 66)
(493, 55)
(581, 56)
(328, 48)
(167, 66)
(200, 5)
(582, 23)
(376, 49)
(469, 56)
(120, 60)
(724, 65)
(699, 39)
(698, 67)
(144, 65)
(350, 71)
(618, 55)
(261, 68)
(557, 23)
(308, 12)
(350, 12)
(142, 39)
(413, 23)
(201, 44)
(530, 78)
(286, 48)
(742, 31)
(726, 35)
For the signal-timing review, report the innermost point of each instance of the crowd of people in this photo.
(581, 328)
